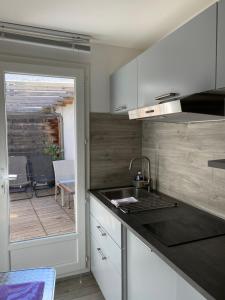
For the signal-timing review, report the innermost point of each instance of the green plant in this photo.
(54, 151)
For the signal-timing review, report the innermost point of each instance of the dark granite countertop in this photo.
(201, 263)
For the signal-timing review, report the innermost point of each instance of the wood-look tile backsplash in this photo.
(114, 141)
(179, 155)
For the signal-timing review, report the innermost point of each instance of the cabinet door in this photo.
(148, 277)
(220, 82)
(187, 292)
(182, 63)
(123, 88)
(106, 276)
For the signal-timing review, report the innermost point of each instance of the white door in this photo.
(65, 252)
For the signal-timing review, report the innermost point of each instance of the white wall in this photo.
(67, 113)
(103, 60)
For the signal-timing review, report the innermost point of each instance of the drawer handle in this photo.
(101, 231)
(149, 111)
(101, 254)
(165, 96)
(119, 108)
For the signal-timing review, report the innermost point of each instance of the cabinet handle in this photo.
(165, 96)
(149, 111)
(101, 254)
(101, 231)
(119, 108)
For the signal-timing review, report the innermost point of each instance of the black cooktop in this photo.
(190, 228)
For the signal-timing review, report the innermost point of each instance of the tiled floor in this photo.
(39, 217)
(83, 287)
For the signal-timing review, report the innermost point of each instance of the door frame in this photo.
(43, 67)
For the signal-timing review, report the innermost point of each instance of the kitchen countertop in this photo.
(201, 263)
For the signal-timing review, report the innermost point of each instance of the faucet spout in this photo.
(149, 178)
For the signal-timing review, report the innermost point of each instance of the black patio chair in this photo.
(42, 174)
(19, 167)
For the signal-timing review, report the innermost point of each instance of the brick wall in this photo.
(28, 133)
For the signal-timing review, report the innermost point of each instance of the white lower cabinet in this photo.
(148, 277)
(106, 264)
(108, 279)
(187, 292)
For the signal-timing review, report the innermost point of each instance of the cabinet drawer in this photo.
(108, 279)
(106, 220)
(107, 244)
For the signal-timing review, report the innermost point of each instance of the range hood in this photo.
(195, 108)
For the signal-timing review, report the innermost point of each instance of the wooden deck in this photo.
(39, 217)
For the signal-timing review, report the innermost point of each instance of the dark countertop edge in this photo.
(175, 268)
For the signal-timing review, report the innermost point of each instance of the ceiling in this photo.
(127, 23)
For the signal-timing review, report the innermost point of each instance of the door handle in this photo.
(4, 182)
(3, 187)
(12, 177)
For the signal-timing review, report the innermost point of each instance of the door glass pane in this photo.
(41, 149)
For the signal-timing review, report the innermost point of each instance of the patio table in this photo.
(66, 186)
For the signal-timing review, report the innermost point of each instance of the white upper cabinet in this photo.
(220, 82)
(123, 88)
(182, 63)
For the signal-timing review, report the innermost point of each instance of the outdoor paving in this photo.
(39, 217)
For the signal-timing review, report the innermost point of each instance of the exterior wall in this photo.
(179, 156)
(67, 113)
(28, 134)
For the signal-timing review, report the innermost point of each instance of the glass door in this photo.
(43, 196)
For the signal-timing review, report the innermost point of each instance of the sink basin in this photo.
(146, 200)
(121, 193)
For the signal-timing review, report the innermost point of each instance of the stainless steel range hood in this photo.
(196, 108)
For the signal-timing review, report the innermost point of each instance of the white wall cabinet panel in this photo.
(148, 276)
(220, 83)
(123, 88)
(186, 292)
(183, 62)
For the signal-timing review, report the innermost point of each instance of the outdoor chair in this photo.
(42, 174)
(22, 184)
(64, 176)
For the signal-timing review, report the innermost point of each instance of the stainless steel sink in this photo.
(146, 200)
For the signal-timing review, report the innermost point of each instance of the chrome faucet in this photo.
(147, 182)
